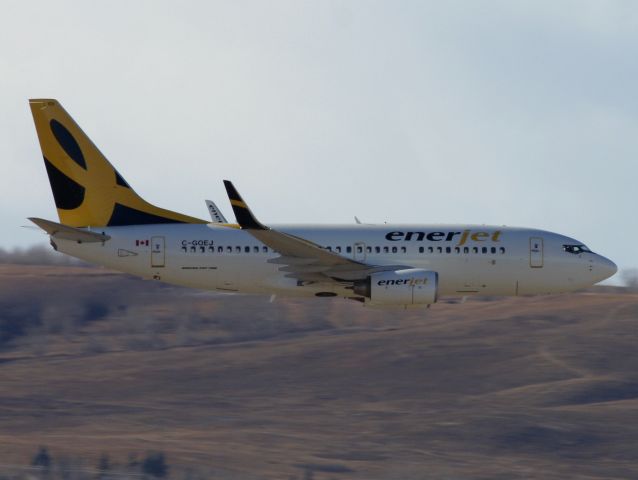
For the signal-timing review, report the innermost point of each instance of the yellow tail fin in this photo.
(88, 191)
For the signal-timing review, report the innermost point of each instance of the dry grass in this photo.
(542, 387)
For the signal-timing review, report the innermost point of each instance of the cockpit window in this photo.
(576, 249)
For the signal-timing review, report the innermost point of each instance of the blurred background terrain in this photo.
(106, 376)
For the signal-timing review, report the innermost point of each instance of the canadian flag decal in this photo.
(143, 243)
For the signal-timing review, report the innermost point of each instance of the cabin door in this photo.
(536, 252)
(158, 252)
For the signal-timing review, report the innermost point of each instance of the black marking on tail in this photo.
(244, 216)
(66, 192)
(123, 215)
(120, 180)
(67, 142)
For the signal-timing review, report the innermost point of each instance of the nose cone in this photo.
(604, 268)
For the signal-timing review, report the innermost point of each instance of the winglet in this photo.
(244, 216)
(216, 214)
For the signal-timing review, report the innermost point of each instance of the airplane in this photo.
(103, 221)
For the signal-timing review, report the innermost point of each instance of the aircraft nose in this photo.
(605, 268)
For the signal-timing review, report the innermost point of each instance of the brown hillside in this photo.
(236, 387)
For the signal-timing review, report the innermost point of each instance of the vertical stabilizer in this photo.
(88, 191)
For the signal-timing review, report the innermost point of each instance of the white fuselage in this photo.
(469, 259)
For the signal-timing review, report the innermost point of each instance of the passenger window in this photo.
(430, 249)
(493, 249)
(466, 250)
(338, 249)
(439, 249)
(502, 249)
(264, 249)
(457, 250)
(369, 249)
(220, 249)
(394, 249)
(256, 249)
(237, 249)
(359, 249)
(329, 249)
(484, 249)
(448, 249)
(377, 249)
(386, 250)
(475, 249)
(348, 249)
(421, 249)
(247, 249)
(229, 249)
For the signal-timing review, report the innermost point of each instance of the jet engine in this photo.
(412, 286)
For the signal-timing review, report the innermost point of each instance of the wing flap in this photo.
(304, 268)
(284, 260)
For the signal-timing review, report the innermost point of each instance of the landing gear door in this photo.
(158, 252)
(536, 252)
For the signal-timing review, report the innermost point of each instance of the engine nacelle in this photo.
(412, 286)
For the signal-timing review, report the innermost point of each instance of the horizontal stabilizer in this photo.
(64, 232)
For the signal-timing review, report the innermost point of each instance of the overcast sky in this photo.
(499, 112)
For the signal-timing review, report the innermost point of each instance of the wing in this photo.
(300, 258)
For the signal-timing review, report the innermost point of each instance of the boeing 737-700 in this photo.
(102, 220)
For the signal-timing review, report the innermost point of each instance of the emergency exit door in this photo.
(359, 252)
(536, 252)
(158, 252)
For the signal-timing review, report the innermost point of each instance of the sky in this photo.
(495, 112)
